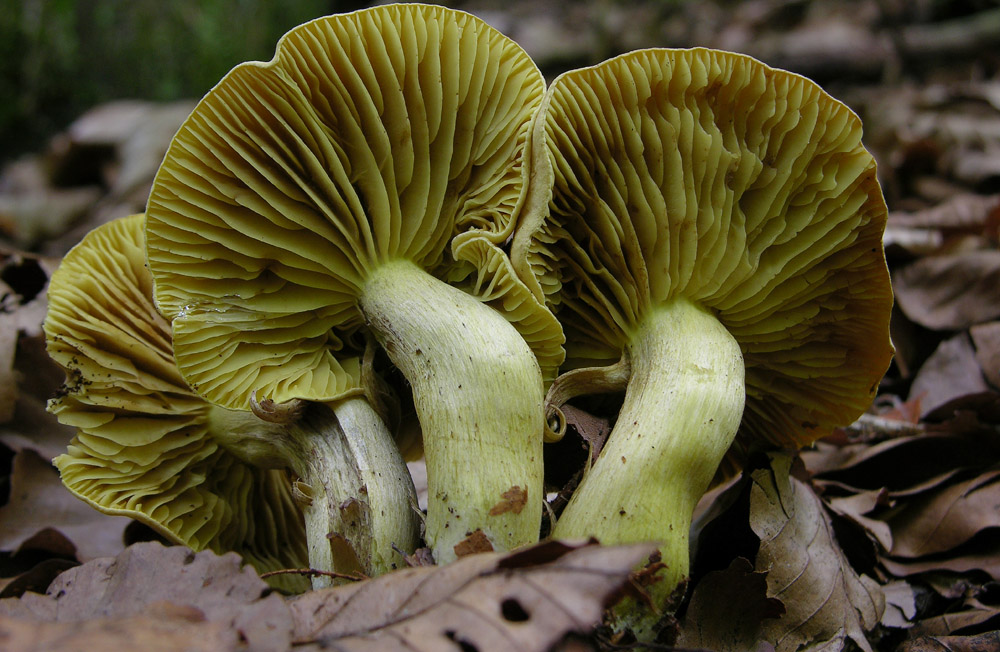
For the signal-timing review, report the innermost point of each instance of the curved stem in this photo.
(682, 407)
(358, 497)
(477, 390)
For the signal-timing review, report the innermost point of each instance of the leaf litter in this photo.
(527, 600)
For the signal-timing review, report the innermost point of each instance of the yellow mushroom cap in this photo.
(143, 447)
(397, 132)
(710, 176)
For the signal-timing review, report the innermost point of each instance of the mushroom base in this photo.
(357, 496)
(683, 405)
(477, 390)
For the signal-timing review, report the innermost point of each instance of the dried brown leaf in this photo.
(966, 212)
(954, 621)
(521, 601)
(905, 466)
(858, 506)
(951, 372)
(988, 642)
(36, 579)
(982, 554)
(950, 292)
(594, 430)
(941, 520)
(900, 604)
(34, 216)
(38, 500)
(164, 628)
(986, 338)
(826, 601)
(37, 379)
(711, 622)
(129, 586)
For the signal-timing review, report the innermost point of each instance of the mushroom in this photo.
(711, 245)
(362, 183)
(201, 475)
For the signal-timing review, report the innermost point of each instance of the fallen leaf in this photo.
(987, 642)
(38, 500)
(950, 292)
(35, 579)
(986, 338)
(490, 602)
(826, 601)
(38, 378)
(711, 622)
(924, 231)
(858, 507)
(899, 464)
(38, 215)
(954, 621)
(951, 372)
(594, 430)
(900, 604)
(981, 554)
(941, 520)
(165, 628)
(127, 587)
(22, 309)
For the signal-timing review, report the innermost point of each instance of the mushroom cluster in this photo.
(397, 191)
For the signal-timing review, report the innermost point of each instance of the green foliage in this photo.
(60, 57)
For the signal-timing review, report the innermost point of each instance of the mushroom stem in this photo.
(391, 516)
(682, 408)
(358, 497)
(477, 390)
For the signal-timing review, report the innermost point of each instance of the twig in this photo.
(871, 427)
(310, 572)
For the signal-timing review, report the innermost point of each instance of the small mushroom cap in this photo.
(397, 132)
(143, 448)
(710, 176)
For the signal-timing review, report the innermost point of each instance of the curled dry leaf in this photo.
(522, 601)
(826, 601)
(123, 592)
